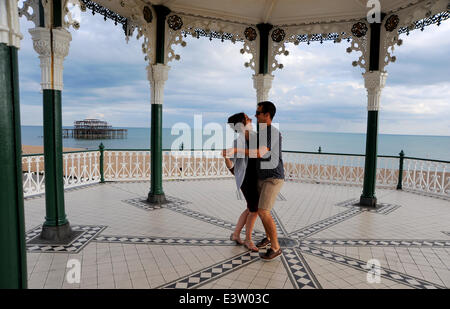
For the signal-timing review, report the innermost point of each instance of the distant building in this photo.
(93, 129)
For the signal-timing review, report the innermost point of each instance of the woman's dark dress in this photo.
(249, 186)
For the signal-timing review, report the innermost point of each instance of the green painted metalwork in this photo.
(41, 15)
(13, 267)
(161, 14)
(57, 13)
(400, 170)
(156, 193)
(264, 30)
(54, 174)
(156, 151)
(370, 169)
(368, 197)
(102, 156)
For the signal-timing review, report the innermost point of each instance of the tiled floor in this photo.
(185, 244)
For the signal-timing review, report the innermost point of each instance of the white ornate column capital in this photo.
(157, 75)
(374, 82)
(262, 83)
(43, 45)
(9, 23)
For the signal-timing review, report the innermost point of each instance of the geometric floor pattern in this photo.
(322, 236)
(381, 208)
(402, 278)
(87, 233)
(213, 272)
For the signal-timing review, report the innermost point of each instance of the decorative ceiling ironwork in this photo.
(250, 34)
(175, 22)
(278, 35)
(321, 37)
(107, 13)
(421, 24)
(392, 23)
(359, 29)
(197, 32)
(148, 16)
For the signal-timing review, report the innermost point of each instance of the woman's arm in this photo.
(228, 162)
(253, 153)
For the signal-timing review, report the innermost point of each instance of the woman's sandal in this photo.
(237, 240)
(250, 246)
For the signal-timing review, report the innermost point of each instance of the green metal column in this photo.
(156, 194)
(53, 148)
(13, 267)
(368, 197)
(264, 30)
(156, 146)
(56, 227)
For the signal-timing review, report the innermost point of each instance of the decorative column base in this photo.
(60, 234)
(156, 198)
(368, 201)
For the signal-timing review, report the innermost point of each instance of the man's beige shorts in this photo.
(268, 191)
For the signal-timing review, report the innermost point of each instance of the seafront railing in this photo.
(79, 168)
(87, 167)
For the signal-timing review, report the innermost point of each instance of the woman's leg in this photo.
(240, 224)
(251, 219)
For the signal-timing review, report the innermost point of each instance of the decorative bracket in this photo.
(67, 18)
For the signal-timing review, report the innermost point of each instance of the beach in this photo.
(30, 149)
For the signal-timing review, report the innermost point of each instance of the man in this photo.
(270, 172)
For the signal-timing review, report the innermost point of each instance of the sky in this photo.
(317, 90)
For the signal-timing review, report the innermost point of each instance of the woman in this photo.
(244, 169)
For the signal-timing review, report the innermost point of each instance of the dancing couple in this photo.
(256, 162)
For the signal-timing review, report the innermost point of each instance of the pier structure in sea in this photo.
(94, 129)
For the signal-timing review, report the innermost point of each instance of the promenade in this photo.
(326, 242)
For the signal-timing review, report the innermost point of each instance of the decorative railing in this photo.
(79, 168)
(429, 176)
(135, 165)
(87, 167)
(337, 168)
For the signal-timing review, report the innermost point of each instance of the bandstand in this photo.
(371, 29)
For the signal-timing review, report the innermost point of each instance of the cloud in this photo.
(318, 89)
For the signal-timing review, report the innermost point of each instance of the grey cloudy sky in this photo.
(318, 89)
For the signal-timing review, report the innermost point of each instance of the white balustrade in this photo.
(427, 176)
(83, 168)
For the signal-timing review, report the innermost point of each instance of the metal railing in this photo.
(87, 167)
(79, 168)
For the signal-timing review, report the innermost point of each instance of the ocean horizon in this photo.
(420, 146)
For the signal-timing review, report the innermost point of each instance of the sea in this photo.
(418, 146)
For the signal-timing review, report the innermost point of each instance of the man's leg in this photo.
(270, 228)
(269, 189)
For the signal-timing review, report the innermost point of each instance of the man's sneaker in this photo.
(270, 254)
(263, 243)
